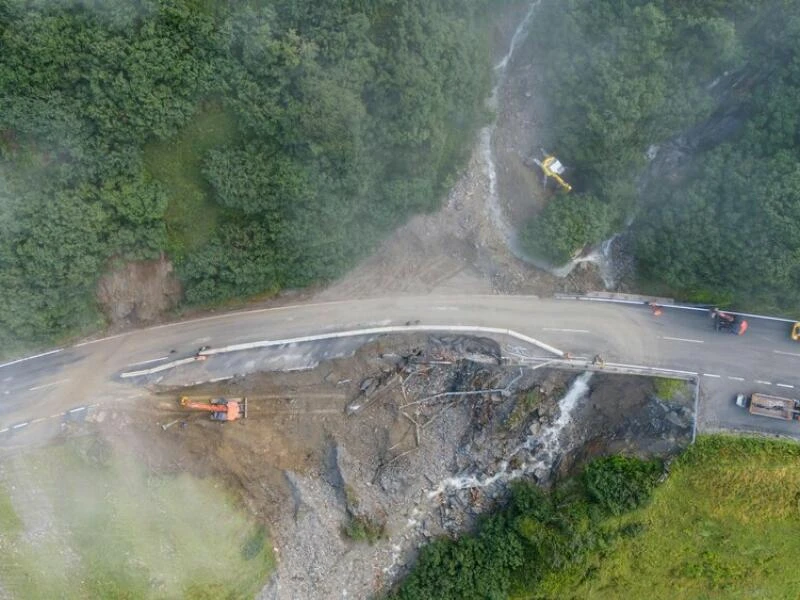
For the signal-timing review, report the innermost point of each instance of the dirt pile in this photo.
(138, 292)
(352, 465)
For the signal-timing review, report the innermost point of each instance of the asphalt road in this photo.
(763, 360)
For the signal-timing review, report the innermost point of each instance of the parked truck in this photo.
(774, 407)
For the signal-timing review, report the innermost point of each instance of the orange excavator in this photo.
(221, 409)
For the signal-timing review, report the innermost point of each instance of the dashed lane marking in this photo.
(4, 430)
(674, 339)
(39, 420)
(79, 409)
(786, 353)
(566, 330)
(785, 385)
(19, 360)
(20, 425)
(56, 416)
(47, 385)
(736, 378)
(763, 382)
(711, 375)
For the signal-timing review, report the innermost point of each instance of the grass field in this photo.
(726, 524)
(191, 215)
(79, 521)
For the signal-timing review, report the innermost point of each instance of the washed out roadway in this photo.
(764, 359)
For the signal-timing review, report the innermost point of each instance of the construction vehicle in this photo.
(774, 407)
(221, 409)
(552, 168)
(795, 335)
(724, 321)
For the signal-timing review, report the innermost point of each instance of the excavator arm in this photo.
(223, 410)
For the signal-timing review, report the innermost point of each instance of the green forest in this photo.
(719, 80)
(258, 145)
(722, 525)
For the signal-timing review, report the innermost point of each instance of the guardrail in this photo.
(662, 302)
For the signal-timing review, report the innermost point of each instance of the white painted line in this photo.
(47, 385)
(674, 339)
(785, 385)
(19, 360)
(20, 425)
(216, 379)
(56, 415)
(79, 409)
(147, 362)
(345, 334)
(445, 308)
(39, 420)
(5, 429)
(786, 353)
(105, 339)
(566, 330)
(163, 367)
(736, 378)
(763, 382)
(711, 375)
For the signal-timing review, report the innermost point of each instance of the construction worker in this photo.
(598, 361)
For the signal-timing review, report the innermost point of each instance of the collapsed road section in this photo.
(410, 437)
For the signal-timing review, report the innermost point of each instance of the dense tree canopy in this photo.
(347, 116)
(617, 78)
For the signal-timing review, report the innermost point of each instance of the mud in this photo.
(138, 292)
(389, 436)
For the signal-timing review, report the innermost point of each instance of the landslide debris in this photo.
(354, 464)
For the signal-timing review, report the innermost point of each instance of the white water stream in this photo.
(601, 255)
(544, 447)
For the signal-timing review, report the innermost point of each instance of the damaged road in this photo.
(356, 462)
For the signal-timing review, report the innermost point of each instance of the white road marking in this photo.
(566, 330)
(39, 420)
(47, 385)
(56, 415)
(763, 382)
(4, 430)
(19, 360)
(444, 307)
(105, 339)
(785, 385)
(711, 375)
(674, 339)
(20, 425)
(736, 378)
(79, 409)
(147, 362)
(786, 353)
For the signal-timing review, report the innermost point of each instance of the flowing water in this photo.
(600, 255)
(542, 449)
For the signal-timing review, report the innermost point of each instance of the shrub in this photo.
(620, 483)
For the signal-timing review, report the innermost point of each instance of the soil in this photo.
(138, 292)
(372, 437)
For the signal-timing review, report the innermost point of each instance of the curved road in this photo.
(765, 359)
